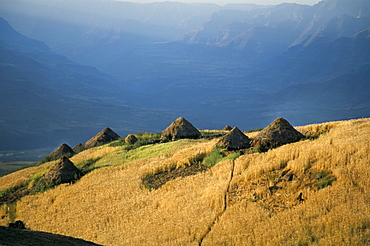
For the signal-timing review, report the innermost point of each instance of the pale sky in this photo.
(222, 2)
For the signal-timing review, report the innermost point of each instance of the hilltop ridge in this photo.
(309, 192)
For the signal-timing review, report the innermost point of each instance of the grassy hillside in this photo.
(313, 192)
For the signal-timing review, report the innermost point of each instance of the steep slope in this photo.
(324, 11)
(309, 192)
(266, 31)
(109, 30)
(274, 28)
(340, 26)
(319, 60)
(250, 31)
(59, 73)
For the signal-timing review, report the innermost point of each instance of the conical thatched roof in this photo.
(103, 137)
(227, 128)
(62, 150)
(277, 133)
(180, 128)
(78, 148)
(131, 139)
(234, 140)
(64, 171)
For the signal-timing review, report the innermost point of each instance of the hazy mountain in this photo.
(340, 26)
(105, 34)
(236, 64)
(37, 58)
(324, 79)
(46, 99)
(122, 38)
(317, 60)
(331, 8)
(52, 20)
(245, 28)
(349, 93)
(324, 11)
(272, 29)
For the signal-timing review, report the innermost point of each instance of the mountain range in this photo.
(71, 68)
(46, 98)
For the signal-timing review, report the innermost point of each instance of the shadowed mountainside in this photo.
(245, 63)
(45, 97)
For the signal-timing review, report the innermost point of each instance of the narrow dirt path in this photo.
(225, 205)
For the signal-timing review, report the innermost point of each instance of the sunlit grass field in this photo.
(312, 192)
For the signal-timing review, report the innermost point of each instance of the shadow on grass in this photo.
(199, 163)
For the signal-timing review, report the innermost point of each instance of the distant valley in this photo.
(46, 98)
(134, 67)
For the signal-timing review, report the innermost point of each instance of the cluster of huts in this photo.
(278, 133)
(103, 137)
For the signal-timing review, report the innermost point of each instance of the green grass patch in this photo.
(14, 189)
(197, 159)
(213, 158)
(233, 156)
(143, 138)
(23, 188)
(256, 149)
(14, 193)
(123, 156)
(88, 165)
(154, 150)
(325, 178)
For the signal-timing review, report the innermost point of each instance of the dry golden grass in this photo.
(229, 204)
(336, 215)
(93, 153)
(15, 178)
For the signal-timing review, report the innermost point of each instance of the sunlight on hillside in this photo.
(312, 192)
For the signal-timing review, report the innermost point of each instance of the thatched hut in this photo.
(64, 171)
(227, 128)
(180, 128)
(78, 148)
(103, 137)
(278, 133)
(131, 139)
(62, 150)
(234, 140)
